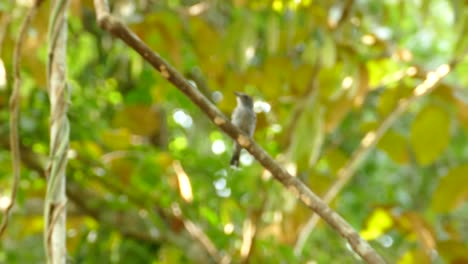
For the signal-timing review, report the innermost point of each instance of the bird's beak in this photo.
(238, 93)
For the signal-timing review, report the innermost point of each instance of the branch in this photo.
(119, 30)
(432, 78)
(15, 102)
(55, 199)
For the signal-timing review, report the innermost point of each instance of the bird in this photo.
(245, 119)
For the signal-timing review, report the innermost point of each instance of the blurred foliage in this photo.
(323, 74)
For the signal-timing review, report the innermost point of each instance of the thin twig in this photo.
(15, 101)
(432, 78)
(293, 184)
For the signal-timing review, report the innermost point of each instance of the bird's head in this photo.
(244, 99)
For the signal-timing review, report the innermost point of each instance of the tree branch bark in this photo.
(55, 200)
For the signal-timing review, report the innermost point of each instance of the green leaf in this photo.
(395, 146)
(328, 52)
(272, 34)
(308, 135)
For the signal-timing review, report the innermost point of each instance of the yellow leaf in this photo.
(389, 99)
(332, 160)
(416, 227)
(462, 112)
(377, 224)
(395, 146)
(414, 257)
(430, 134)
(453, 251)
(381, 69)
(319, 182)
(362, 78)
(89, 148)
(116, 139)
(336, 111)
(139, 119)
(122, 167)
(163, 159)
(452, 190)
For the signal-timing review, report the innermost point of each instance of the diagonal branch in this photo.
(119, 30)
(15, 101)
(431, 81)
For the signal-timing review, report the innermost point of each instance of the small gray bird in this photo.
(244, 118)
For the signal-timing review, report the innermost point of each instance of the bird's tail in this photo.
(235, 156)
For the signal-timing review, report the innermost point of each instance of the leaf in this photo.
(272, 34)
(209, 215)
(395, 146)
(89, 149)
(139, 119)
(378, 222)
(462, 113)
(311, 52)
(362, 78)
(379, 69)
(330, 82)
(319, 182)
(308, 134)
(414, 257)
(453, 251)
(121, 168)
(116, 139)
(430, 134)
(414, 224)
(336, 110)
(207, 45)
(333, 160)
(328, 51)
(241, 40)
(390, 97)
(452, 190)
